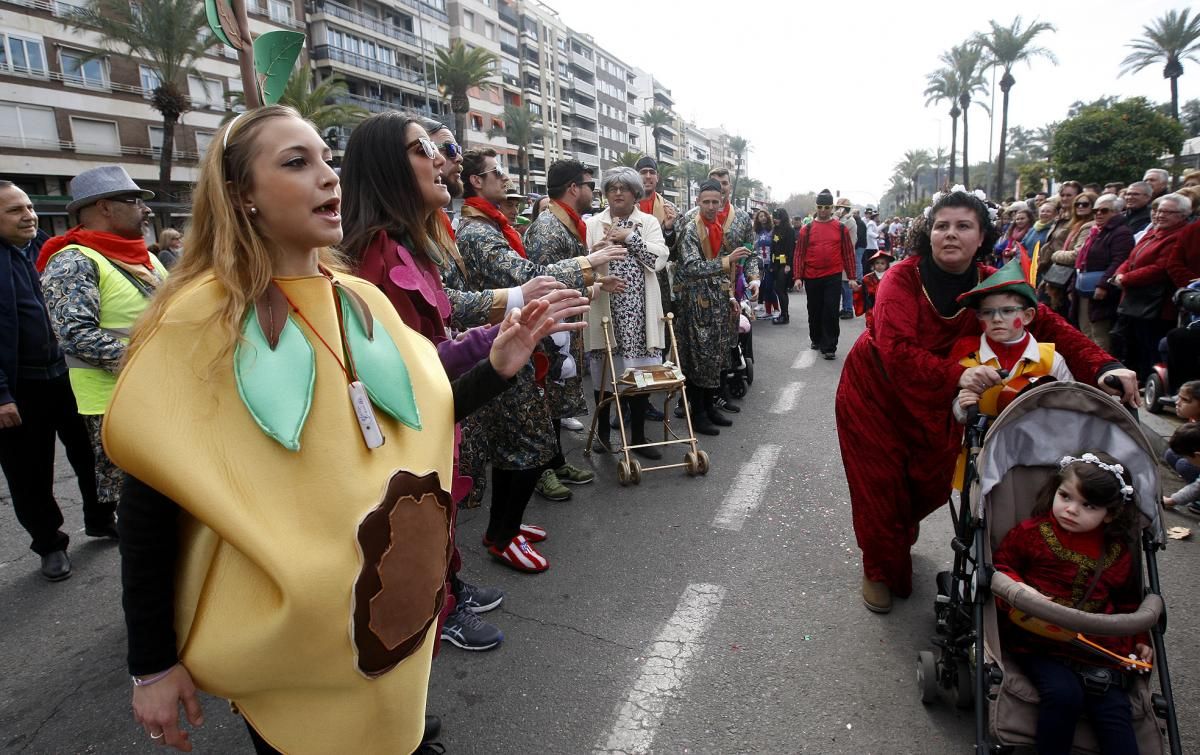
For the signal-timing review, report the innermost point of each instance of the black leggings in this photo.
(783, 282)
(511, 491)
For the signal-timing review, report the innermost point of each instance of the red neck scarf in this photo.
(442, 216)
(647, 204)
(492, 213)
(129, 251)
(723, 215)
(580, 228)
(716, 234)
(1008, 354)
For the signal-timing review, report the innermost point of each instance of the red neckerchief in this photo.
(129, 251)
(716, 233)
(723, 215)
(1008, 354)
(492, 213)
(442, 216)
(580, 228)
(647, 204)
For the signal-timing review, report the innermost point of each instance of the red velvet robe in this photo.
(899, 462)
(1061, 565)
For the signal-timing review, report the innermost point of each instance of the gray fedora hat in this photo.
(101, 183)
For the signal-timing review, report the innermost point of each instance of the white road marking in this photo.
(749, 484)
(787, 398)
(806, 359)
(663, 673)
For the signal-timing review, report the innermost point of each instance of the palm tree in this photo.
(169, 36)
(459, 70)
(693, 169)
(629, 159)
(654, 119)
(738, 146)
(520, 128)
(318, 104)
(1170, 40)
(667, 175)
(943, 87)
(967, 61)
(1005, 47)
(914, 163)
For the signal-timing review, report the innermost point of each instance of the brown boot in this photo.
(877, 597)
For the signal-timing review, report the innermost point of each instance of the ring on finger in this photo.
(156, 736)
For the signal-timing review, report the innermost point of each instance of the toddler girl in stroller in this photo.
(1075, 551)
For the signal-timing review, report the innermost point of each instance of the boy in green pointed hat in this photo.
(1005, 304)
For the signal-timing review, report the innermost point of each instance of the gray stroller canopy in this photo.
(1063, 419)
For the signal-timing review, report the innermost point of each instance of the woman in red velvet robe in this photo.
(899, 463)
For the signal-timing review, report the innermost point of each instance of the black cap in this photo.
(825, 197)
(646, 162)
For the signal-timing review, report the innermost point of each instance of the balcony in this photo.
(583, 87)
(584, 135)
(669, 160)
(508, 14)
(585, 63)
(377, 25)
(583, 111)
(586, 159)
(363, 63)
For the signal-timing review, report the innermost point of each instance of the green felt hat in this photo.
(1010, 279)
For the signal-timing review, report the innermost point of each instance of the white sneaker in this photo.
(571, 423)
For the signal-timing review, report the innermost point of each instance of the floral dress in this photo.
(629, 306)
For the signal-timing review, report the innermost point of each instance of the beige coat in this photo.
(601, 307)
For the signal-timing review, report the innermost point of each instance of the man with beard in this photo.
(666, 213)
(517, 425)
(824, 259)
(559, 234)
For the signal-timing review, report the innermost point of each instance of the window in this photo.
(203, 140)
(477, 122)
(206, 93)
(156, 139)
(95, 137)
(498, 125)
(25, 126)
(22, 55)
(279, 11)
(468, 21)
(508, 38)
(149, 79)
(80, 70)
(489, 30)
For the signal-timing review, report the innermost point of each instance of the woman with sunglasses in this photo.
(285, 522)
(1093, 297)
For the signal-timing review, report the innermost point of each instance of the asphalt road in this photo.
(672, 620)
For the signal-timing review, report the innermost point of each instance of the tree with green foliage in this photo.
(915, 163)
(168, 36)
(966, 60)
(318, 104)
(654, 119)
(459, 70)
(694, 170)
(1005, 46)
(1169, 40)
(1115, 143)
(942, 86)
(738, 146)
(629, 159)
(1189, 116)
(521, 128)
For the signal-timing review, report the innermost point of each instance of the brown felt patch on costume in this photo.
(405, 542)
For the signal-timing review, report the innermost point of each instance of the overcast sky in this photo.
(831, 98)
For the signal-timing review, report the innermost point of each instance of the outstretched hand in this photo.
(523, 328)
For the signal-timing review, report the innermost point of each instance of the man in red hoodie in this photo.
(824, 258)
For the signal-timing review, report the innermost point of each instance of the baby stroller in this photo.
(740, 375)
(1004, 471)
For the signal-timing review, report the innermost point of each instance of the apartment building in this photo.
(67, 104)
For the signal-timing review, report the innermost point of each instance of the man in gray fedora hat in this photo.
(98, 278)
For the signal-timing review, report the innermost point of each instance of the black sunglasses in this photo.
(451, 150)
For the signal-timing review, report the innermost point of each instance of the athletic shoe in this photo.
(466, 630)
(781, 320)
(1193, 507)
(727, 406)
(549, 487)
(846, 315)
(572, 475)
(532, 533)
(570, 423)
(520, 555)
(828, 354)
(478, 599)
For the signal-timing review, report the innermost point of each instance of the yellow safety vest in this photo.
(121, 303)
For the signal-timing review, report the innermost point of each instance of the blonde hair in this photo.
(223, 240)
(167, 236)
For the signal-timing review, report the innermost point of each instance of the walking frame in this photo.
(629, 470)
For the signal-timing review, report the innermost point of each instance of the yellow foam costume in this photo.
(308, 581)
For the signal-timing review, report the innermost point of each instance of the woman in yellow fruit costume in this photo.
(288, 440)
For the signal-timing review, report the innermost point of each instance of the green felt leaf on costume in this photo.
(381, 368)
(276, 385)
(220, 18)
(275, 55)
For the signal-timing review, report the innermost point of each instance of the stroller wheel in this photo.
(964, 685)
(737, 387)
(927, 681)
(623, 473)
(749, 371)
(1154, 391)
(703, 459)
(635, 472)
(691, 463)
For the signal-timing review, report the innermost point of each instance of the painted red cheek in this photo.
(1016, 323)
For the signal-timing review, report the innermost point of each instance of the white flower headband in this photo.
(1117, 470)
(979, 194)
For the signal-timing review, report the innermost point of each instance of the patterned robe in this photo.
(514, 430)
(548, 241)
(706, 324)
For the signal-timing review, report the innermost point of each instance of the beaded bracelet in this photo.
(146, 681)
